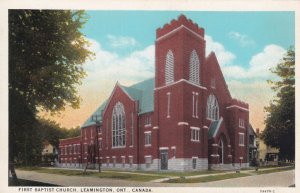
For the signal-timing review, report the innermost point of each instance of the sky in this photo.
(247, 45)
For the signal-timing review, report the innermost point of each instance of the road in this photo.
(278, 179)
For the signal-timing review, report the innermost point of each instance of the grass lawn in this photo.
(207, 178)
(145, 176)
(103, 174)
(276, 169)
(180, 174)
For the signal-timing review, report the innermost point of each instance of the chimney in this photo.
(257, 131)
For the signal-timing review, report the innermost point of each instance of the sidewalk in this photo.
(224, 173)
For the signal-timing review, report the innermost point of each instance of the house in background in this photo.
(49, 154)
(266, 155)
(183, 119)
(253, 154)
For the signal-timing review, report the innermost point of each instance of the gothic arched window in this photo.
(118, 126)
(169, 70)
(194, 67)
(212, 108)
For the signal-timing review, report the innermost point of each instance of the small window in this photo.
(148, 120)
(213, 83)
(241, 123)
(148, 161)
(194, 163)
(241, 139)
(130, 162)
(85, 148)
(168, 103)
(195, 105)
(107, 162)
(195, 134)
(100, 144)
(123, 162)
(114, 162)
(148, 139)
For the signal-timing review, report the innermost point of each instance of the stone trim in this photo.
(182, 123)
(195, 128)
(163, 148)
(235, 106)
(181, 80)
(177, 29)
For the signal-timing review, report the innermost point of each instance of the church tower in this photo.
(179, 71)
(180, 52)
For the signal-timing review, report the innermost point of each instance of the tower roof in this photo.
(182, 20)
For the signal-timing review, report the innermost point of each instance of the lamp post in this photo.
(96, 118)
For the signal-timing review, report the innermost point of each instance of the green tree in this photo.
(280, 122)
(46, 53)
(51, 131)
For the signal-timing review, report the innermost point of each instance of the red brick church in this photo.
(182, 119)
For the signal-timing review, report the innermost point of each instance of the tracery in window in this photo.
(118, 126)
(194, 68)
(212, 109)
(169, 70)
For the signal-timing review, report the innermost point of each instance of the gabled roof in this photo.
(214, 127)
(142, 92)
(251, 130)
(97, 113)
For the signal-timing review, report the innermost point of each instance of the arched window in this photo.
(118, 126)
(169, 70)
(194, 67)
(212, 109)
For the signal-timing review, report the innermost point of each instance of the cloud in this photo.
(224, 56)
(257, 94)
(121, 41)
(111, 67)
(259, 65)
(242, 39)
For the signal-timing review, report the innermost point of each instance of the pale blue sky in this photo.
(254, 29)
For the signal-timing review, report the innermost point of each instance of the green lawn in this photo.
(152, 175)
(180, 174)
(207, 178)
(103, 174)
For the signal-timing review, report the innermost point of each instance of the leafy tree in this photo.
(280, 122)
(46, 53)
(51, 131)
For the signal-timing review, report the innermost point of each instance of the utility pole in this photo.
(96, 118)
